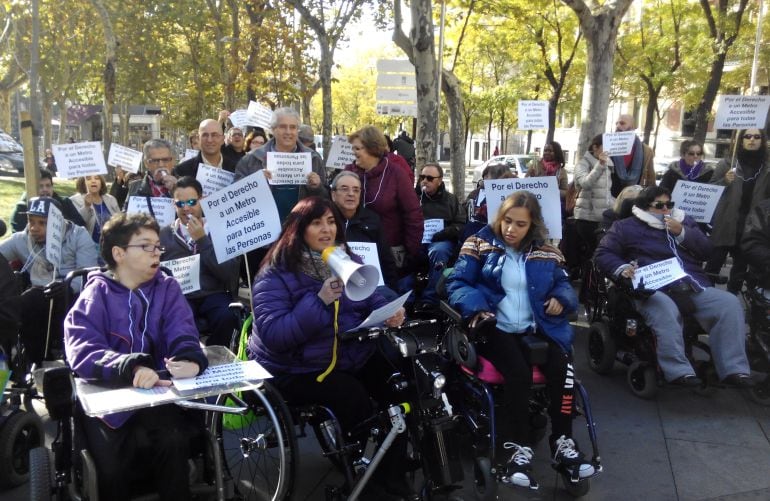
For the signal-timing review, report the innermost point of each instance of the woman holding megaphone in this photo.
(300, 308)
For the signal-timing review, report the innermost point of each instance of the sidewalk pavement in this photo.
(680, 446)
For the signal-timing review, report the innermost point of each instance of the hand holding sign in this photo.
(618, 143)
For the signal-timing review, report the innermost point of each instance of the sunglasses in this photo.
(429, 178)
(752, 136)
(189, 203)
(661, 205)
(695, 153)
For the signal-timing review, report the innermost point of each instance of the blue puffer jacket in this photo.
(293, 330)
(475, 283)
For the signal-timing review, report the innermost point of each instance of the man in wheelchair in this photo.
(131, 325)
(657, 232)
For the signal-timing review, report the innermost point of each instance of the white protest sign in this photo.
(54, 234)
(657, 275)
(242, 217)
(533, 115)
(289, 168)
(224, 374)
(340, 154)
(162, 208)
(697, 200)
(741, 112)
(213, 178)
(432, 226)
(618, 143)
(259, 115)
(127, 159)
(383, 313)
(186, 271)
(545, 189)
(367, 251)
(189, 153)
(79, 159)
(240, 118)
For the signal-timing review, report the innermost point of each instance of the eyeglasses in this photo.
(752, 136)
(211, 135)
(151, 248)
(695, 153)
(155, 161)
(189, 203)
(236, 134)
(348, 189)
(291, 127)
(661, 205)
(429, 178)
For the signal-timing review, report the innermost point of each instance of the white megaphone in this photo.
(360, 279)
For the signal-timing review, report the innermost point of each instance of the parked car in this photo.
(11, 155)
(517, 163)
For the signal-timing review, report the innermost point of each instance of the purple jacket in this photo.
(293, 330)
(641, 238)
(111, 329)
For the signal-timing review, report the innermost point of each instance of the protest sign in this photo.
(340, 154)
(240, 119)
(242, 217)
(657, 275)
(741, 112)
(186, 271)
(697, 200)
(79, 159)
(54, 233)
(618, 143)
(430, 228)
(127, 159)
(162, 208)
(545, 189)
(289, 168)
(533, 115)
(190, 153)
(367, 251)
(213, 178)
(259, 115)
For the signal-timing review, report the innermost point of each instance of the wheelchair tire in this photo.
(484, 483)
(20, 433)
(760, 394)
(601, 348)
(40, 477)
(578, 489)
(260, 456)
(642, 380)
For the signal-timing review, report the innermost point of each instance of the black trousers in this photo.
(155, 441)
(506, 353)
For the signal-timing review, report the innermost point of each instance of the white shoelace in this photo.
(566, 447)
(521, 455)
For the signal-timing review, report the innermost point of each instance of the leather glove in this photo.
(54, 290)
(441, 236)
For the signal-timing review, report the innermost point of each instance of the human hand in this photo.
(730, 176)
(397, 319)
(553, 307)
(169, 182)
(603, 158)
(54, 290)
(672, 225)
(313, 180)
(88, 199)
(181, 368)
(480, 317)
(195, 227)
(268, 174)
(146, 378)
(223, 115)
(440, 236)
(331, 290)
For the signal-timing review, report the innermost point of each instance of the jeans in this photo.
(439, 256)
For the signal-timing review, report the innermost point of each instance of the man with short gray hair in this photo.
(158, 162)
(285, 125)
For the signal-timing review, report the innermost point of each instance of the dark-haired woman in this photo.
(299, 312)
(690, 167)
(94, 204)
(506, 272)
(747, 182)
(551, 164)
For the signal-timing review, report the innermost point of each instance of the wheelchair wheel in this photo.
(40, 477)
(642, 380)
(259, 449)
(601, 348)
(578, 489)
(20, 433)
(484, 483)
(760, 394)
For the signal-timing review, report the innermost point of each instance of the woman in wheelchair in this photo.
(130, 324)
(657, 232)
(299, 312)
(505, 272)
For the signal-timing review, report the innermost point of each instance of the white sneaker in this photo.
(568, 455)
(518, 467)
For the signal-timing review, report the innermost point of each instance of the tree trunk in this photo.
(124, 117)
(108, 75)
(46, 110)
(649, 112)
(325, 74)
(552, 103)
(62, 119)
(422, 37)
(703, 110)
(5, 109)
(450, 85)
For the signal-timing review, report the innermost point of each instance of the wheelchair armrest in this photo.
(59, 392)
(535, 349)
(717, 278)
(453, 314)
